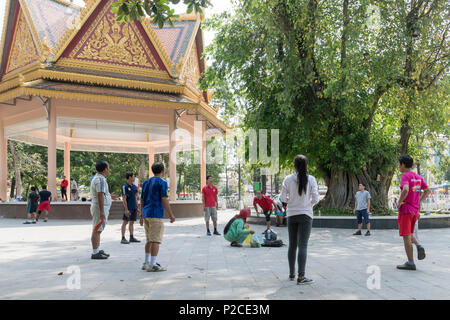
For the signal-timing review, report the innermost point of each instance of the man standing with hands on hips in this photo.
(210, 204)
(409, 209)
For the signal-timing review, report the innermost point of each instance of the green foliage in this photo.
(338, 84)
(188, 172)
(159, 10)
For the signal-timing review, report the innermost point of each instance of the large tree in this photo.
(346, 82)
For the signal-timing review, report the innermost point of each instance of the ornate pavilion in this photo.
(75, 79)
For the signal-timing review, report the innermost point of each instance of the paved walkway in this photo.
(201, 267)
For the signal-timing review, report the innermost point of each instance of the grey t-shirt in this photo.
(362, 198)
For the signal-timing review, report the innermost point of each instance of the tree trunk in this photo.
(142, 169)
(16, 165)
(264, 183)
(343, 185)
(13, 188)
(239, 181)
(277, 188)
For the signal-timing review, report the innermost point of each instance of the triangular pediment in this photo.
(22, 51)
(191, 71)
(107, 45)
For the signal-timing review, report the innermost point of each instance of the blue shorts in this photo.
(132, 217)
(360, 214)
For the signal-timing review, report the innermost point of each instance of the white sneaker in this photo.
(145, 266)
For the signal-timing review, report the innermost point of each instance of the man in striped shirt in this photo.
(100, 205)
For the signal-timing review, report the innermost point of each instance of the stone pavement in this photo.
(201, 267)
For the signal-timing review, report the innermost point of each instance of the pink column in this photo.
(67, 160)
(3, 163)
(51, 150)
(172, 160)
(203, 158)
(151, 159)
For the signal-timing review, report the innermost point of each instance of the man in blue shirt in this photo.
(130, 200)
(154, 200)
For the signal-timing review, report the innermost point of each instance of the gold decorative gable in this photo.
(23, 51)
(192, 68)
(108, 45)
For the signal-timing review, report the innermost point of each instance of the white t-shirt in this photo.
(297, 204)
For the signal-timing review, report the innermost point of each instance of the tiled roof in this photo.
(56, 22)
(52, 18)
(175, 40)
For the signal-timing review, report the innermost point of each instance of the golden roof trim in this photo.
(111, 67)
(211, 117)
(26, 91)
(109, 81)
(15, 81)
(5, 22)
(70, 34)
(185, 58)
(34, 33)
(69, 4)
(25, 69)
(190, 16)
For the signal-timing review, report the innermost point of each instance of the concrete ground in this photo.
(42, 261)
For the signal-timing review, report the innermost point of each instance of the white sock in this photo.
(147, 258)
(153, 260)
(95, 251)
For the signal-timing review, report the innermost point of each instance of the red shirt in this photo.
(210, 193)
(265, 203)
(64, 184)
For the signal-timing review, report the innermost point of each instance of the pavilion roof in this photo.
(51, 41)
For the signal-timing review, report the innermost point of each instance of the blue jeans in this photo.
(360, 214)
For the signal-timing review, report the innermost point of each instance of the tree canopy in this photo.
(347, 83)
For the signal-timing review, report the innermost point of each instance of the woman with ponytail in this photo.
(300, 192)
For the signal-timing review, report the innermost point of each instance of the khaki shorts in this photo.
(210, 212)
(97, 223)
(154, 229)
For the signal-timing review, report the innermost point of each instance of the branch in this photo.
(379, 92)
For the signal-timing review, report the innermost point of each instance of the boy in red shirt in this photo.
(64, 184)
(408, 209)
(266, 205)
(210, 204)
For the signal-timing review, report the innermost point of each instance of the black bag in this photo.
(272, 243)
(227, 227)
(270, 235)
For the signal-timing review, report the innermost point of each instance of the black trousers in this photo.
(63, 193)
(299, 228)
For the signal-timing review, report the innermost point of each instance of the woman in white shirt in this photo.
(300, 192)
